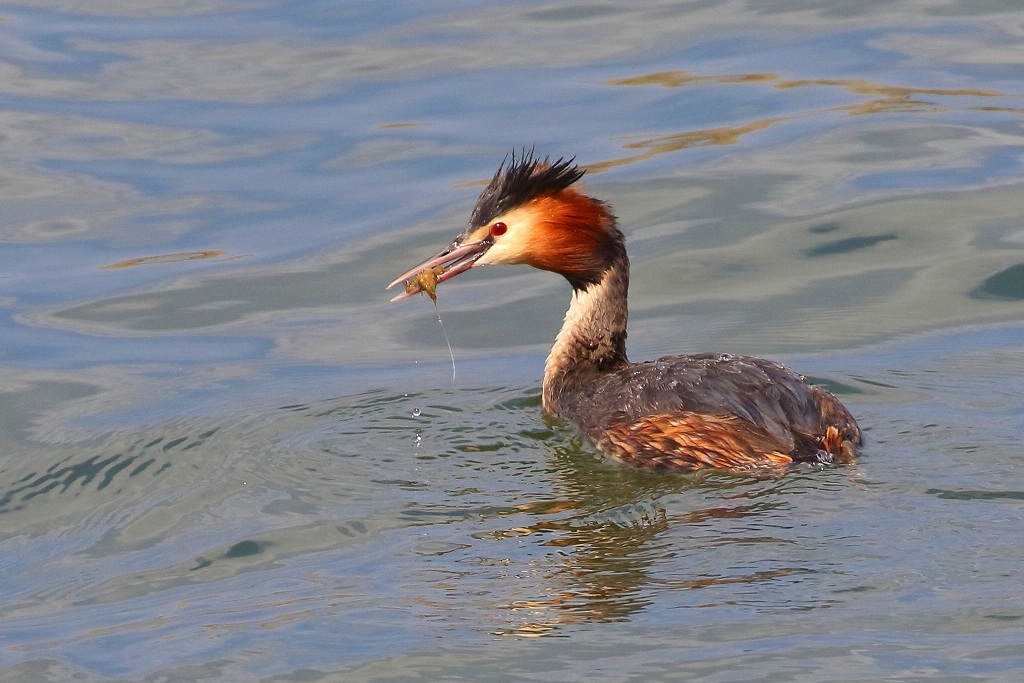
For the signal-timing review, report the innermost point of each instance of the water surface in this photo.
(224, 455)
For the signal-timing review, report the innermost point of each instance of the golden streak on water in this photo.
(858, 86)
(884, 99)
(165, 258)
(674, 142)
(677, 79)
(1006, 110)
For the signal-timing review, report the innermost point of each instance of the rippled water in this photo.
(224, 455)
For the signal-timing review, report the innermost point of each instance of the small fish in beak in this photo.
(457, 258)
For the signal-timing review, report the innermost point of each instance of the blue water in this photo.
(225, 456)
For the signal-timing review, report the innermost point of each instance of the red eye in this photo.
(498, 229)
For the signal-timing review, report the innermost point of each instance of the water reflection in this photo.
(884, 99)
(610, 544)
(1006, 285)
(98, 471)
(165, 258)
(675, 142)
(856, 86)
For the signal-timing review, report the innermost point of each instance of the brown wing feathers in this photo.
(692, 441)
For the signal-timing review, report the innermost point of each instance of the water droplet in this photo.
(415, 412)
(418, 440)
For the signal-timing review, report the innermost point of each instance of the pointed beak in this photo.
(446, 264)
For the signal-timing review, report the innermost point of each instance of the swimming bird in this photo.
(688, 412)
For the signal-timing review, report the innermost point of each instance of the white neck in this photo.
(593, 335)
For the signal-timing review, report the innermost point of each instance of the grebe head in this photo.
(531, 213)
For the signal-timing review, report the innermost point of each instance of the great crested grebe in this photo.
(686, 412)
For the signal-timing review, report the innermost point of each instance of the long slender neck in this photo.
(592, 340)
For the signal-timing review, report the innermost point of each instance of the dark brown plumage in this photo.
(681, 412)
(517, 182)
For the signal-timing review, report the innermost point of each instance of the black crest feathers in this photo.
(519, 180)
